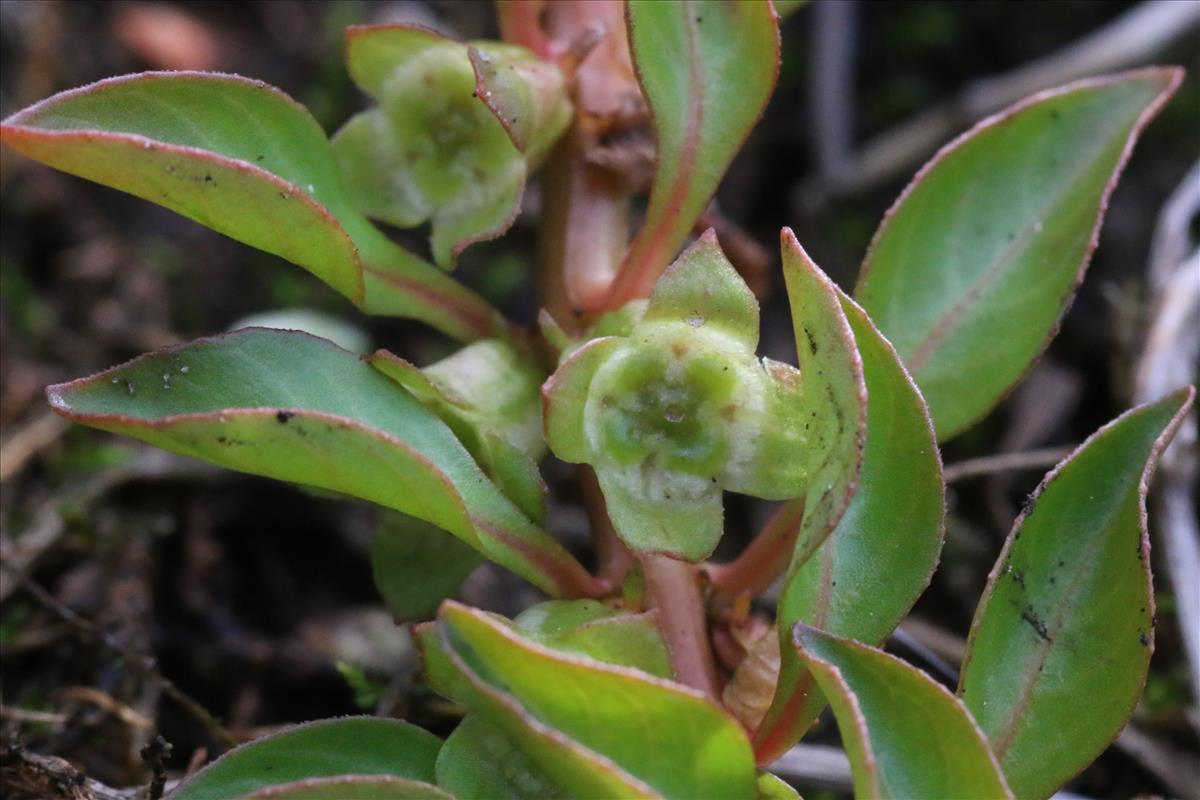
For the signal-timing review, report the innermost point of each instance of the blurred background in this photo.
(255, 600)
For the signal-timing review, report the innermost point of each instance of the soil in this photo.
(246, 595)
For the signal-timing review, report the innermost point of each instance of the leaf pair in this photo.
(1058, 650)
(590, 728)
(967, 276)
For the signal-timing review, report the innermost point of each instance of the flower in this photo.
(676, 408)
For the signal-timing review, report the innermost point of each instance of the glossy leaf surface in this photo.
(975, 263)
(290, 406)
(906, 735)
(480, 760)
(658, 736)
(1062, 638)
(867, 575)
(352, 787)
(348, 746)
(416, 566)
(707, 69)
(245, 159)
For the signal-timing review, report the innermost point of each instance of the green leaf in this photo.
(481, 760)
(833, 407)
(658, 737)
(976, 262)
(871, 569)
(488, 394)
(705, 291)
(416, 566)
(772, 787)
(290, 406)
(351, 787)
(592, 629)
(707, 69)
(329, 748)
(441, 674)
(448, 142)
(906, 735)
(1061, 640)
(245, 159)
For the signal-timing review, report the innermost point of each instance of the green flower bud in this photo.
(679, 409)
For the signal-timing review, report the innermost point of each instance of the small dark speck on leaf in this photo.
(1062, 563)
(812, 343)
(1035, 622)
(283, 416)
(1027, 506)
(1144, 639)
(208, 179)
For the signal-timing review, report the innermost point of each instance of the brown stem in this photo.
(673, 587)
(612, 556)
(764, 559)
(586, 204)
(585, 229)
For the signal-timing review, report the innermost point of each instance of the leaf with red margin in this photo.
(975, 264)
(658, 737)
(707, 69)
(352, 787)
(833, 394)
(1061, 640)
(294, 407)
(245, 159)
(357, 746)
(481, 760)
(906, 735)
(874, 566)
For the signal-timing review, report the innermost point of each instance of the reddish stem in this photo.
(673, 587)
(612, 555)
(764, 559)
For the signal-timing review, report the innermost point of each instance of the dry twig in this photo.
(1006, 462)
(141, 663)
(1131, 39)
(1167, 362)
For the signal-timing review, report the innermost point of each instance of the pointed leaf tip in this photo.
(905, 734)
(1061, 641)
(983, 251)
